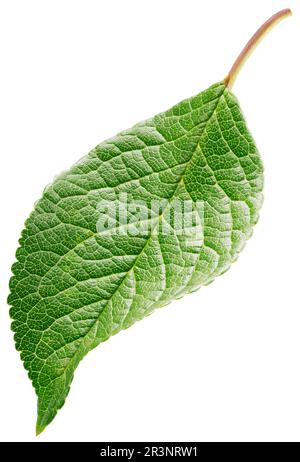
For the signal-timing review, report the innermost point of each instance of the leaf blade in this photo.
(74, 287)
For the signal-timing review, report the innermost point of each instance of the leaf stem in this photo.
(252, 44)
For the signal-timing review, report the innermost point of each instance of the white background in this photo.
(222, 364)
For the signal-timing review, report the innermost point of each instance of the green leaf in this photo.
(75, 285)
(190, 181)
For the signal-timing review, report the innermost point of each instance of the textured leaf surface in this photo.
(74, 287)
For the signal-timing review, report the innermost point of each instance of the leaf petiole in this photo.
(252, 44)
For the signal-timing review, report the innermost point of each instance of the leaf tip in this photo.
(39, 429)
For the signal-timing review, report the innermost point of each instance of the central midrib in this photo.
(146, 244)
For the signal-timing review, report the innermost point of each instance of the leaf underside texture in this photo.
(73, 287)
